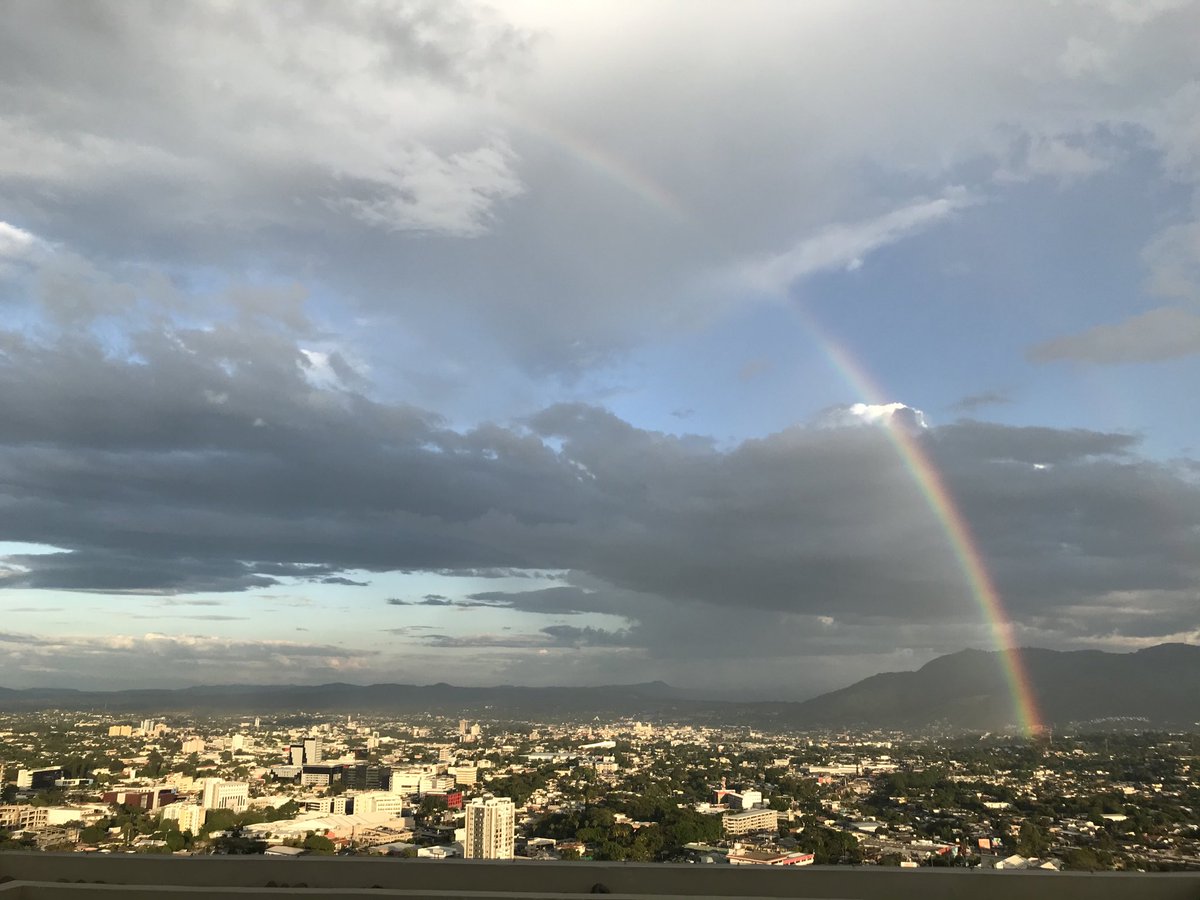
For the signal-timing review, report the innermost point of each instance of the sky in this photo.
(593, 343)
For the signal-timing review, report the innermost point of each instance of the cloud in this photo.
(399, 155)
(331, 223)
(1164, 333)
(889, 414)
(1065, 159)
(972, 402)
(128, 658)
(15, 243)
(846, 246)
(820, 519)
(439, 600)
(341, 130)
(550, 637)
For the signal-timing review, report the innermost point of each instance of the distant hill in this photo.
(654, 698)
(970, 690)
(966, 691)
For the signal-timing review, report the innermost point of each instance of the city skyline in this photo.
(754, 348)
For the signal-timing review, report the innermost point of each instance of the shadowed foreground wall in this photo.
(40, 876)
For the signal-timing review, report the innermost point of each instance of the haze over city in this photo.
(755, 347)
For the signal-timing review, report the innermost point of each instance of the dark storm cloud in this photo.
(555, 600)
(211, 462)
(439, 600)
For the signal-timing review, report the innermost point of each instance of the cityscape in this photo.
(433, 787)
(679, 449)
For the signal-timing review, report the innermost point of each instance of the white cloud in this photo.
(845, 246)
(15, 242)
(889, 414)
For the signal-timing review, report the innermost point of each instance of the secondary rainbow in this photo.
(609, 165)
(962, 542)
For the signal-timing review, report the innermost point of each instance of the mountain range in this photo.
(968, 690)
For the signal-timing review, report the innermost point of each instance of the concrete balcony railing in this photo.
(46, 876)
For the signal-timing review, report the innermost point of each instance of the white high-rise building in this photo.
(490, 829)
(219, 794)
(312, 750)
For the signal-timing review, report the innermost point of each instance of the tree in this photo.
(318, 844)
(237, 844)
(1033, 840)
(1082, 859)
(155, 765)
(828, 846)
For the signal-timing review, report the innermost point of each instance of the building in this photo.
(413, 780)
(120, 731)
(740, 799)
(454, 799)
(192, 745)
(742, 857)
(142, 798)
(490, 829)
(39, 779)
(338, 806)
(378, 802)
(466, 775)
(363, 777)
(312, 750)
(750, 821)
(220, 794)
(190, 816)
(320, 775)
(23, 818)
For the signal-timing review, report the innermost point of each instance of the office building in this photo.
(321, 775)
(414, 780)
(750, 821)
(466, 775)
(220, 794)
(490, 826)
(312, 750)
(364, 777)
(377, 802)
(39, 779)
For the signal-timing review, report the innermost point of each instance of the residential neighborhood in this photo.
(443, 787)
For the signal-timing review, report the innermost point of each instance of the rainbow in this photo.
(916, 460)
(958, 533)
